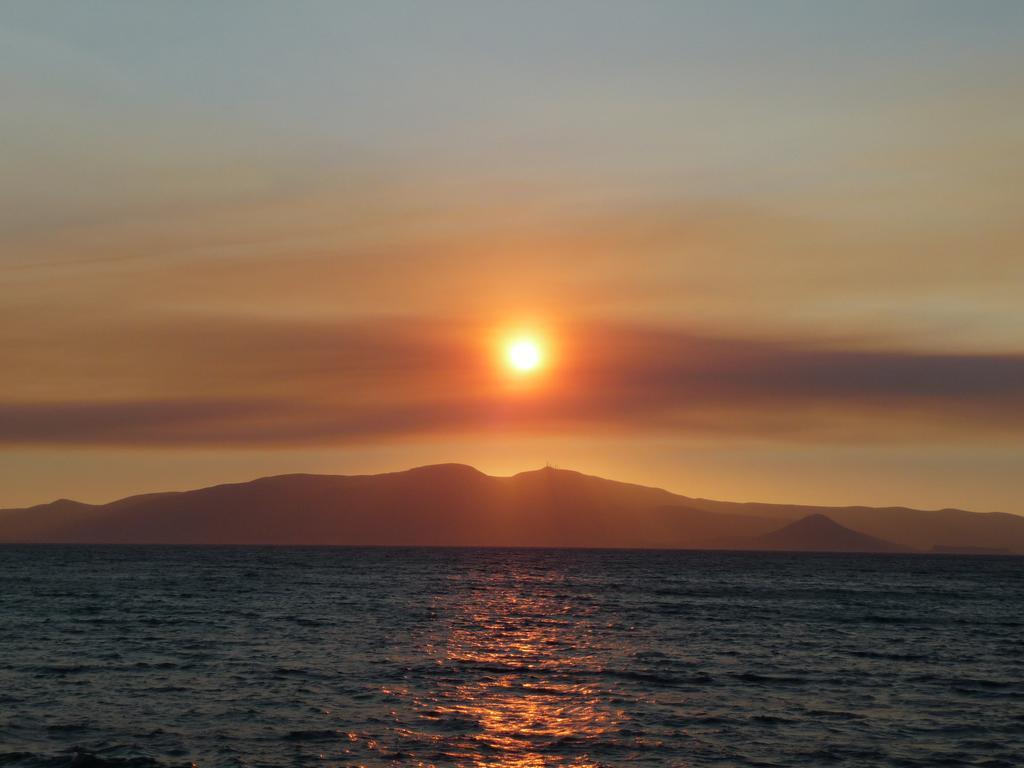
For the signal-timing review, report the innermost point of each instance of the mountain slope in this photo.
(453, 504)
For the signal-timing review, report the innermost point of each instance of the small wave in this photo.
(660, 678)
(82, 759)
(315, 734)
(754, 677)
(89, 760)
(19, 759)
(890, 656)
(835, 714)
(773, 720)
(64, 669)
(67, 727)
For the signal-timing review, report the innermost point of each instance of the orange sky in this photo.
(774, 253)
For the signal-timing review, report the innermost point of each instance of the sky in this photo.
(772, 251)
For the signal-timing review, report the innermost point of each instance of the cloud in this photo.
(301, 383)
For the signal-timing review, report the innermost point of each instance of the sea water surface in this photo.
(165, 656)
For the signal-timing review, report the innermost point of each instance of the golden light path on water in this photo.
(514, 713)
(522, 704)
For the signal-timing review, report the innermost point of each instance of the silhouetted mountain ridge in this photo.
(457, 505)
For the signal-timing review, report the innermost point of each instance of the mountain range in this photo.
(456, 505)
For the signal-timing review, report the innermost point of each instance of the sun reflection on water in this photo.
(516, 657)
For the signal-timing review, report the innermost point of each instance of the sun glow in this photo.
(524, 355)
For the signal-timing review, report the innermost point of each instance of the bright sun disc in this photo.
(524, 354)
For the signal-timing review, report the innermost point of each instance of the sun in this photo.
(524, 355)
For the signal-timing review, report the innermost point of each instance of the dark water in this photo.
(373, 657)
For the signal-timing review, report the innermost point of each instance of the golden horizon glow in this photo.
(524, 354)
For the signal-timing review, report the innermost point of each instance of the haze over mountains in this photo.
(456, 505)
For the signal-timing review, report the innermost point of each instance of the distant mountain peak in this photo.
(817, 522)
(451, 468)
(64, 504)
(820, 533)
(547, 469)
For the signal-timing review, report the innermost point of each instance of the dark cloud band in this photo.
(322, 384)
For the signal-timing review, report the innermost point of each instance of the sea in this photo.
(235, 656)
